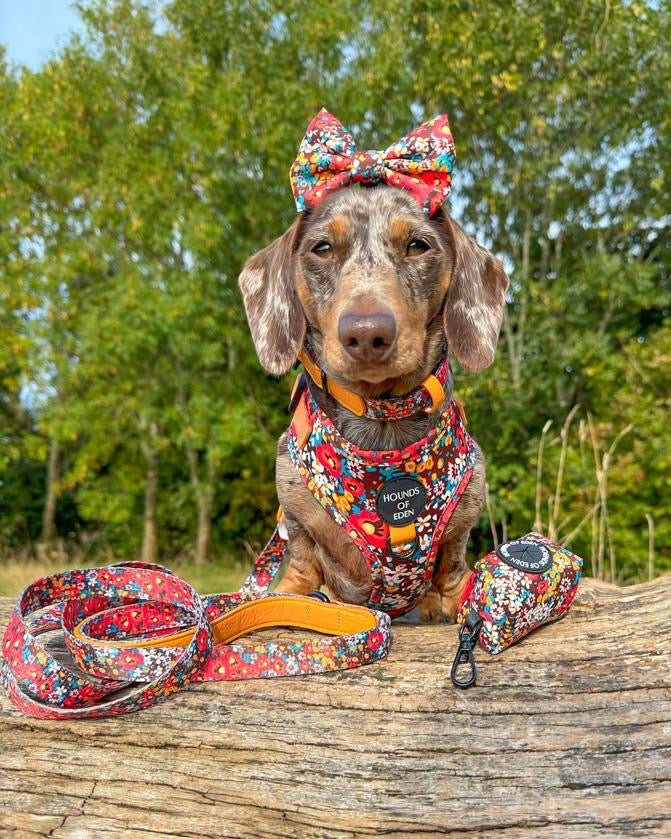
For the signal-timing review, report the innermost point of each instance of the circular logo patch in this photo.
(526, 555)
(401, 501)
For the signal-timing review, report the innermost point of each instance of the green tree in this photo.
(144, 164)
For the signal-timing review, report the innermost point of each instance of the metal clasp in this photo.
(405, 550)
(468, 638)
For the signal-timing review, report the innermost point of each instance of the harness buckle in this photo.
(405, 550)
(403, 539)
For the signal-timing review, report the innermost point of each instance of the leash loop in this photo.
(138, 634)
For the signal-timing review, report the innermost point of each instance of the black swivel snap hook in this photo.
(468, 638)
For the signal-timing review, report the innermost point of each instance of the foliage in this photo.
(149, 158)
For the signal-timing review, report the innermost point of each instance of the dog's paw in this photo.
(451, 596)
(430, 608)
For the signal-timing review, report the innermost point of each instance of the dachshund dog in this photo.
(375, 287)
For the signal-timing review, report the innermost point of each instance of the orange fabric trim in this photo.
(437, 392)
(399, 535)
(352, 401)
(292, 611)
(460, 408)
(301, 422)
(294, 389)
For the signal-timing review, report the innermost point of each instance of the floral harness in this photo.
(393, 504)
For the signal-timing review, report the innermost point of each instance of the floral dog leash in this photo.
(139, 633)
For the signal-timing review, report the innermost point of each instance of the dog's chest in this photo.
(393, 504)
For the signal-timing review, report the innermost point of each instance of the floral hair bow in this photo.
(328, 159)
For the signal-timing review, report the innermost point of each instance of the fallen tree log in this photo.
(567, 734)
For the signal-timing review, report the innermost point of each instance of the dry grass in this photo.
(597, 514)
(17, 573)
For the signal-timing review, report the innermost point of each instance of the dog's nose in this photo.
(367, 335)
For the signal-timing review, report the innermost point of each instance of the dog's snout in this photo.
(367, 334)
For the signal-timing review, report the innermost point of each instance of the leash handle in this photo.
(139, 633)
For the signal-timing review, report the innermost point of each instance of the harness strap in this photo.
(139, 633)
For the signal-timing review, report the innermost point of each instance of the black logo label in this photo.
(526, 555)
(401, 501)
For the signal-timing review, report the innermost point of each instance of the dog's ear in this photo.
(475, 299)
(273, 309)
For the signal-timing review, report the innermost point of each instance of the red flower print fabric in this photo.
(328, 159)
(108, 615)
(347, 481)
(518, 587)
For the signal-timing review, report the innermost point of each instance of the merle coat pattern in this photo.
(375, 286)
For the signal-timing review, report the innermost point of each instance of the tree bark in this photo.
(203, 492)
(204, 536)
(150, 534)
(204, 501)
(49, 511)
(567, 734)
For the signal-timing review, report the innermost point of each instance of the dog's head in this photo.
(371, 280)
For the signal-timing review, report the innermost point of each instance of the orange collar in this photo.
(428, 397)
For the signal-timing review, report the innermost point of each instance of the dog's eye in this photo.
(417, 247)
(323, 249)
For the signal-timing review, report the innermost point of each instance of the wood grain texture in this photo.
(567, 734)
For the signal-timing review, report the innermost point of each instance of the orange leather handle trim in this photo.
(291, 611)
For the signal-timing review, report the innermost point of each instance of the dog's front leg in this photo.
(452, 572)
(304, 573)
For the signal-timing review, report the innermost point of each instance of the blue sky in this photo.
(31, 30)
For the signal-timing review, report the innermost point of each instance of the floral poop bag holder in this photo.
(516, 588)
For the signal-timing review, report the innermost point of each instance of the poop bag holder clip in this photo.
(513, 590)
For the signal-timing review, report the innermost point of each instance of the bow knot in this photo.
(328, 159)
(368, 167)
